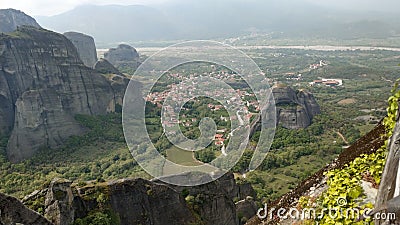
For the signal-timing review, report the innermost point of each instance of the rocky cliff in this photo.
(216, 197)
(10, 19)
(295, 109)
(104, 66)
(124, 56)
(85, 46)
(43, 85)
(12, 211)
(138, 201)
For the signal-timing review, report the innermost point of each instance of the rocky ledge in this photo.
(138, 201)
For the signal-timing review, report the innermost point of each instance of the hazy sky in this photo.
(362, 5)
(53, 7)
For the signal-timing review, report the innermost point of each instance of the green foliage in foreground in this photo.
(344, 184)
(104, 217)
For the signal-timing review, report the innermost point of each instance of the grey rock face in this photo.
(59, 199)
(6, 108)
(144, 202)
(133, 201)
(123, 56)
(43, 85)
(246, 209)
(105, 67)
(295, 109)
(10, 19)
(14, 212)
(40, 121)
(85, 46)
(138, 201)
(217, 198)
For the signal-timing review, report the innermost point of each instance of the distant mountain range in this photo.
(207, 19)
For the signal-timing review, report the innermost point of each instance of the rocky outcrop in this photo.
(294, 109)
(119, 84)
(118, 81)
(59, 199)
(12, 211)
(124, 56)
(217, 206)
(246, 209)
(144, 202)
(105, 67)
(85, 46)
(138, 201)
(43, 85)
(132, 201)
(10, 19)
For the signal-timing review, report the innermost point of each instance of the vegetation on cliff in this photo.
(344, 184)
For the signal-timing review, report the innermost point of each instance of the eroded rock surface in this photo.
(85, 46)
(295, 109)
(124, 56)
(14, 212)
(139, 201)
(43, 85)
(105, 67)
(11, 19)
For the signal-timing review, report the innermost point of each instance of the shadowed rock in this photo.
(105, 67)
(14, 212)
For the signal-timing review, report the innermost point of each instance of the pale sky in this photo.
(361, 5)
(54, 7)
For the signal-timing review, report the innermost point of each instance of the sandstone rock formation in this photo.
(85, 46)
(118, 81)
(138, 201)
(14, 212)
(246, 209)
(295, 109)
(59, 202)
(10, 19)
(217, 197)
(104, 66)
(134, 201)
(43, 85)
(124, 56)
